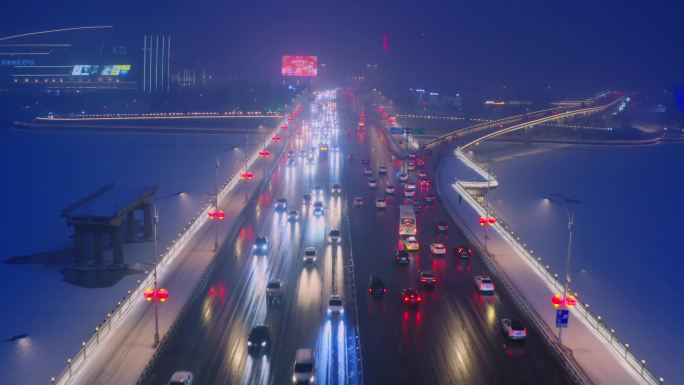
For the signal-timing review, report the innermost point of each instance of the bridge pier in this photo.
(528, 137)
(79, 246)
(130, 227)
(117, 246)
(99, 248)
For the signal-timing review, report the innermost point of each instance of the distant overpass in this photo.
(494, 128)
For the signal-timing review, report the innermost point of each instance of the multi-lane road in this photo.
(453, 337)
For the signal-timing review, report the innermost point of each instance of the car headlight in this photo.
(312, 379)
(294, 379)
(249, 343)
(329, 311)
(263, 343)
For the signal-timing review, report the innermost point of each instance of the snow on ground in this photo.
(45, 172)
(626, 250)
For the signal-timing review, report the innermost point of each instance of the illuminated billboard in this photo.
(305, 66)
(116, 70)
(85, 70)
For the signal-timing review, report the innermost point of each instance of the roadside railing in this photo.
(356, 343)
(113, 318)
(601, 329)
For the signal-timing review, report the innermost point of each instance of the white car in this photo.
(334, 236)
(380, 203)
(513, 329)
(382, 170)
(181, 378)
(358, 201)
(410, 186)
(484, 284)
(310, 255)
(389, 189)
(437, 248)
(372, 183)
(336, 188)
(335, 305)
(411, 244)
(409, 193)
(368, 171)
(281, 204)
(318, 208)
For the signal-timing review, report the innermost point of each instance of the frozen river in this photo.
(43, 172)
(627, 249)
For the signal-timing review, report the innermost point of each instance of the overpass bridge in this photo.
(490, 129)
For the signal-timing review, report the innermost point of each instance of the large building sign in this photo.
(301, 66)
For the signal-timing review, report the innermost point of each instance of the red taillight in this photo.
(384, 290)
(418, 298)
(406, 299)
(423, 280)
(370, 290)
(511, 332)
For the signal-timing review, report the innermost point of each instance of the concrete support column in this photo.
(117, 246)
(147, 220)
(130, 226)
(99, 258)
(528, 137)
(79, 246)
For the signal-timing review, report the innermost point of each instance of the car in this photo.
(411, 186)
(389, 189)
(336, 188)
(409, 193)
(411, 167)
(372, 183)
(402, 257)
(412, 155)
(317, 190)
(318, 208)
(309, 255)
(430, 197)
(427, 279)
(181, 378)
(410, 296)
(290, 162)
(382, 170)
(377, 287)
(304, 370)
(417, 207)
(335, 148)
(302, 154)
(424, 183)
(358, 201)
(260, 245)
(437, 248)
(463, 251)
(380, 203)
(335, 305)
(290, 154)
(411, 244)
(309, 161)
(441, 227)
(281, 204)
(420, 162)
(422, 174)
(306, 198)
(274, 288)
(334, 236)
(365, 161)
(259, 339)
(513, 329)
(367, 171)
(484, 284)
(403, 177)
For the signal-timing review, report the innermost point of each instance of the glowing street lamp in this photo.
(151, 294)
(217, 214)
(487, 221)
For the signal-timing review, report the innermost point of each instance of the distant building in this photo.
(432, 99)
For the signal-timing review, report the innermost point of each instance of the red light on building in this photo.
(390, 120)
(385, 115)
(290, 118)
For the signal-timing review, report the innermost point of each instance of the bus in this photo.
(407, 220)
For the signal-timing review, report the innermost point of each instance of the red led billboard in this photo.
(300, 66)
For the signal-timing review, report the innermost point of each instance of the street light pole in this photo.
(216, 200)
(157, 205)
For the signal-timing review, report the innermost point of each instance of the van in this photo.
(304, 367)
(181, 378)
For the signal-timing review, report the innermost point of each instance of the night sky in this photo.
(475, 46)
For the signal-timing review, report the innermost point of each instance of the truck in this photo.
(407, 220)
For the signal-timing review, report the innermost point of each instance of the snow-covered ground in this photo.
(45, 172)
(626, 260)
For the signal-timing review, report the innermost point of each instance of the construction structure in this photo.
(101, 214)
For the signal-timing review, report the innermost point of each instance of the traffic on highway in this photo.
(346, 264)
